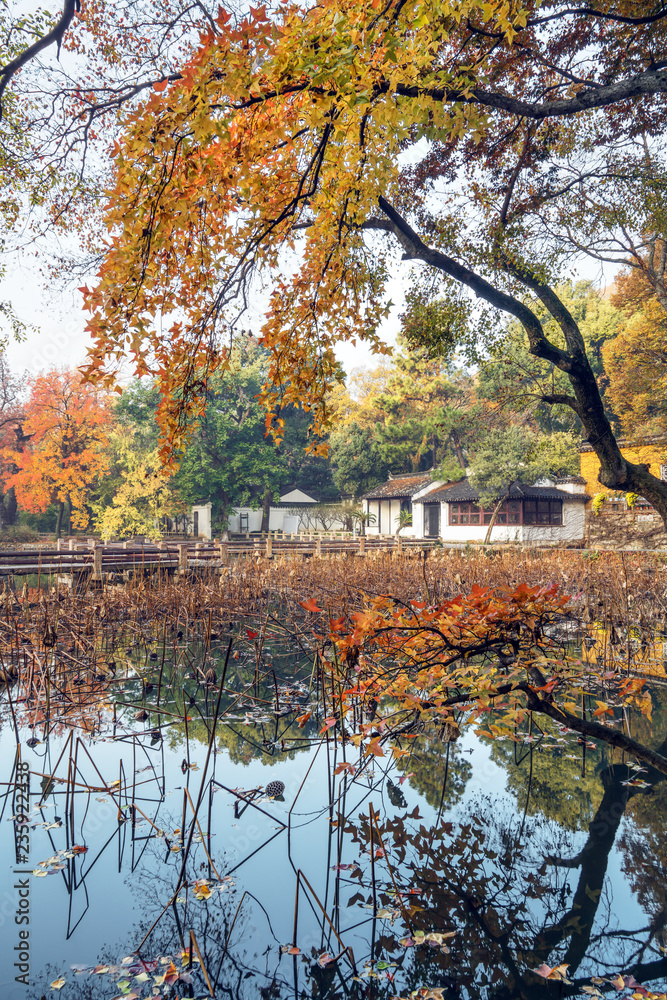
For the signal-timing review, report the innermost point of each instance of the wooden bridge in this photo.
(96, 561)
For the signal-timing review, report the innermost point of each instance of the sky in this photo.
(58, 336)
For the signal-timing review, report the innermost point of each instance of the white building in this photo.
(552, 513)
(296, 511)
(384, 503)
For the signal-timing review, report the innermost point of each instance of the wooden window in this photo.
(471, 513)
(542, 511)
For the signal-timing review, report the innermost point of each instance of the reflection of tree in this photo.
(550, 782)
(645, 850)
(505, 903)
(432, 763)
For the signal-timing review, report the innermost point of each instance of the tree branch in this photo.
(56, 34)
(651, 81)
(416, 249)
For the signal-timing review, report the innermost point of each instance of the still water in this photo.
(460, 868)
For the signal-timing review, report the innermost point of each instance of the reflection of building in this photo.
(553, 512)
(296, 511)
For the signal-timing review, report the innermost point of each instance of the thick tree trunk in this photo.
(616, 472)
(59, 522)
(266, 510)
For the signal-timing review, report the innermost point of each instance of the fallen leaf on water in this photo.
(171, 975)
(202, 889)
(559, 972)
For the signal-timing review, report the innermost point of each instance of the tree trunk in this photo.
(266, 510)
(11, 506)
(456, 444)
(59, 522)
(616, 472)
(487, 537)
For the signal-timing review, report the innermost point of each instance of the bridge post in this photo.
(97, 563)
(182, 559)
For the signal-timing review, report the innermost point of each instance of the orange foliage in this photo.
(636, 366)
(66, 424)
(493, 654)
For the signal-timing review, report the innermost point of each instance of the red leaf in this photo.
(311, 605)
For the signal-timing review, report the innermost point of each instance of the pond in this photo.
(457, 868)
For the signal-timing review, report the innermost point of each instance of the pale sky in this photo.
(59, 337)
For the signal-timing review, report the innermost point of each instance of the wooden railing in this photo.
(180, 557)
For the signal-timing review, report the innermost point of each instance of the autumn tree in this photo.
(12, 437)
(412, 414)
(301, 131)
(65, 73)
(66, 433)
(143, 501)
(636, 359)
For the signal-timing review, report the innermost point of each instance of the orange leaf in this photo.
(311, 605)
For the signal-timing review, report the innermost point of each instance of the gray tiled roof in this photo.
(463, 492)
(401, 486)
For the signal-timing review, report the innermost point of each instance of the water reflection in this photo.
(462, 866)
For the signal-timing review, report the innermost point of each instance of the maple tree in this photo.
(65, 434)
(491, 658)
(284, 134)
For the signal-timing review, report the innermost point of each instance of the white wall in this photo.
(280, 519)
(477, 532)
(571, 530)
(204, 528)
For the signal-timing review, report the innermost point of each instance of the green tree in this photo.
(517, 455)
(513, 376)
